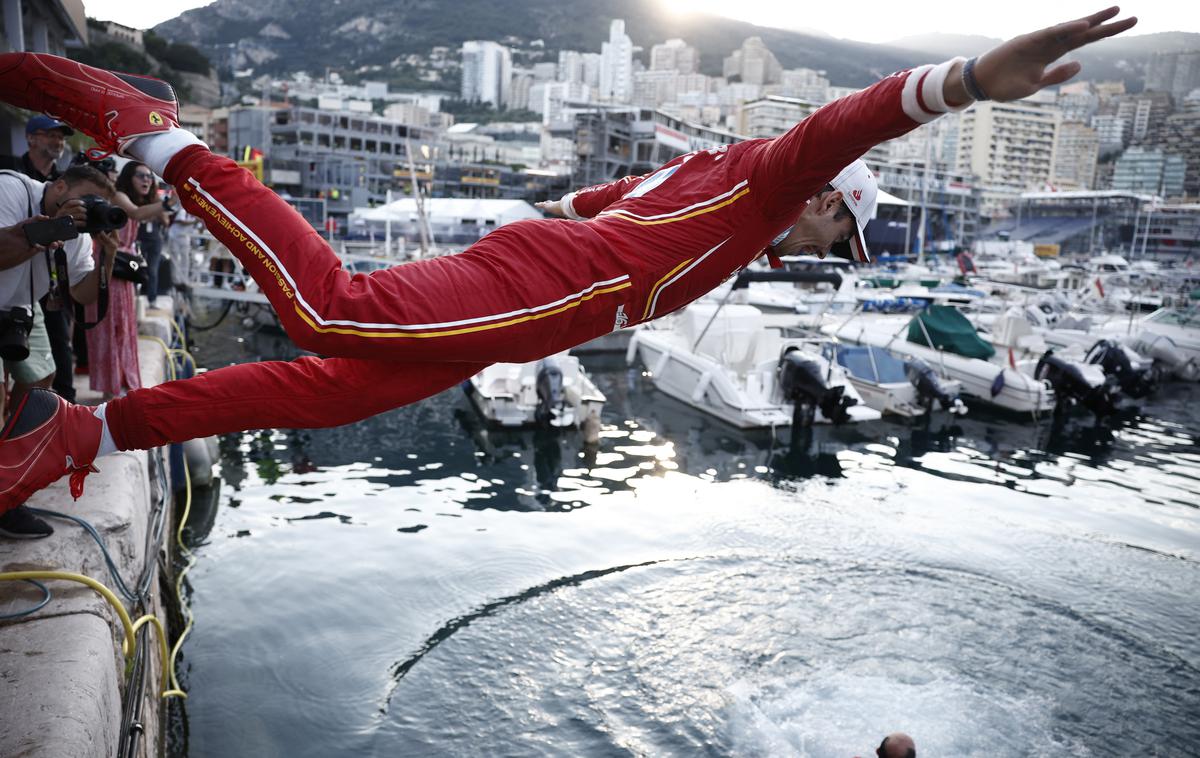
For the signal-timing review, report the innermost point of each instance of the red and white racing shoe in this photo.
(45, 439)
(113, 109)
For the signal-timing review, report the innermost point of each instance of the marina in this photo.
(980, 580)
(517, 382)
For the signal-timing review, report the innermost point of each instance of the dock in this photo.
(64, 678)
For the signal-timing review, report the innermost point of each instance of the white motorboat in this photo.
(724, 360)
(890, 385)
(1013, 388)
(1025, 382)
(1014, 334)
(554, 391)
(1171, 336)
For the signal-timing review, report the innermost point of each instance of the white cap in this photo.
(860, 193)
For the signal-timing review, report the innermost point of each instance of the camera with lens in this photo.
(105, 164)
(15, 325)
(102, 216)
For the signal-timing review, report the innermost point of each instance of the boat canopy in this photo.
(949, 330)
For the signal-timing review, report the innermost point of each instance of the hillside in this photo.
(291, 35)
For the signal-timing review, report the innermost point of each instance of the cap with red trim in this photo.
(860, 193)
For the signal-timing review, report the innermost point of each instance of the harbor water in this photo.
(419, 585)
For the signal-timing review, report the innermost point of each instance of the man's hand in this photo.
(552, 207)
(1024, 65)
(75, 209)
(14, 245)
(109, 241)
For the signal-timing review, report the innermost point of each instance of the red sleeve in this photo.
(793, 167)
(589, 201)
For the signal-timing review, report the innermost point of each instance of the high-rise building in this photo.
(1009, 146)
(616, 65)
(486, 72)
(753, 63)
(1078, 102)
(804, 84)
(652, 89)
(518, 91)
(1149, 171)
(554, 99)
(1141, 111)
(1179, 134)
(1075, 156)
(772, 116)
(570, 66)
(1113, 132)
(592, 63)
(675, 55)
(1176, 73)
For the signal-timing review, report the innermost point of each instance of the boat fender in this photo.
(998, 383)
(199, 456)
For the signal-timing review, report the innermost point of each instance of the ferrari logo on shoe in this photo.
(155, 119)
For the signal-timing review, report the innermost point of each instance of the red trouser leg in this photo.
(304, 393)
(522, 292)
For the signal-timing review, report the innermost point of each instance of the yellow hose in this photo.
(128, 645)
(105, 592)
(191, 561)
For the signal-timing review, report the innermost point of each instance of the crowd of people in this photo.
(103, 343)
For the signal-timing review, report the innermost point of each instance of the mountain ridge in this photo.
(282, 36)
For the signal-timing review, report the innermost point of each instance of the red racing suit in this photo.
(634, 249)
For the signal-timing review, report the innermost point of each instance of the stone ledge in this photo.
(62, 672)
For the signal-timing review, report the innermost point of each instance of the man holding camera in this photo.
(36, 220)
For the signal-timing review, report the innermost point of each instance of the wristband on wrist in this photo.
(970, 84)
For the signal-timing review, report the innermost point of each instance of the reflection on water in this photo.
(422, 584)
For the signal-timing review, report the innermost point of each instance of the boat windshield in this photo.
(1189, 317)
(871, 363)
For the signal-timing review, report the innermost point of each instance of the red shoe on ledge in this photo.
(113, 109)
(46, 438)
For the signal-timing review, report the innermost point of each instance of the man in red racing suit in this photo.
(630, 251)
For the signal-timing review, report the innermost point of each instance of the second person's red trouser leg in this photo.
(523, 291)
(301, 394)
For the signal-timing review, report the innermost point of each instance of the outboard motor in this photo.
(551, 400)
(1136, 376)
(930, 388)
(802, 381)
(1078, 383)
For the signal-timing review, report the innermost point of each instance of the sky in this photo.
(873, 21)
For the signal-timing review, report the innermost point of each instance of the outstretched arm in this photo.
(790, 169)
(589, 201)
(1027, 64)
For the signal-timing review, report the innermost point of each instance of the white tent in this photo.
(447, 212)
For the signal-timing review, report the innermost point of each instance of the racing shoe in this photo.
(113, 109)
(46, 438)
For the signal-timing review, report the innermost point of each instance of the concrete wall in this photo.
(62, 673)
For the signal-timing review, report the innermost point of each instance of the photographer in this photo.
(26, 268)
(46, 140)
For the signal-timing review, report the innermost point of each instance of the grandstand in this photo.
(1086, 223)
